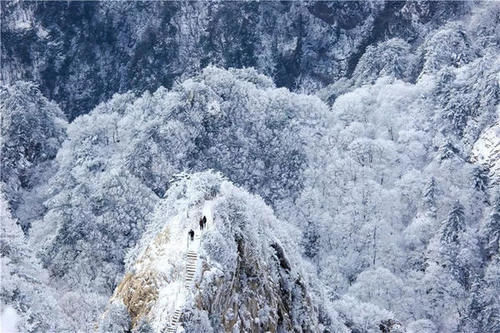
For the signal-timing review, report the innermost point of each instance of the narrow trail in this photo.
(191, 266)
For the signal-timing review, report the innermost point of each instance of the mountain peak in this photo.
(232, 274)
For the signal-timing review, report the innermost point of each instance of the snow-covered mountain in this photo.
(81, 53)
(240, 273)
(345, 154)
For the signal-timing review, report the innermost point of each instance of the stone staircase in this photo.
(191, 263)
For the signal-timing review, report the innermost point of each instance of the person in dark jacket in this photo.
(201, 224)
(191, 234)
(204, 221)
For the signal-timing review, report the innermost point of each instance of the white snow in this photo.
(8, 320)
(486, 150)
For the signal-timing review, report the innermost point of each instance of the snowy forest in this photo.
(337, 161)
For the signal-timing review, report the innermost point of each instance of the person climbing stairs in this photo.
(191, 265)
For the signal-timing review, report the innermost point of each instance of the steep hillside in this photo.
(82, 52)
(237, 274)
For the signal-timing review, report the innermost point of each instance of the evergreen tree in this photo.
(491, 233)
(454, 225)
(24, 283)
(447, 151)
(311, 241)
(33, 129)
(483, 310)
(480, 178)
(430, 193)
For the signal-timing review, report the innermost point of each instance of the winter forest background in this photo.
(357, 143)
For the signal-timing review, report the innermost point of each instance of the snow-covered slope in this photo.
(236, 275)
(486, 151)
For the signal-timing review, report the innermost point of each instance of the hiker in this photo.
(201, 224)
(204, 221)
(191, 234)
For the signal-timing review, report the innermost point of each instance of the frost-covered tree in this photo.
(32, 131)
(480, 178)
(491, 231)
(311, 241)
(429, 197)
(392, 58)
(449, 46)
(119, 160)
(25, 284)
(448, 151)
(94, 222)
(454, 225)
(467, 97)
(483, 306)
(116, 319)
